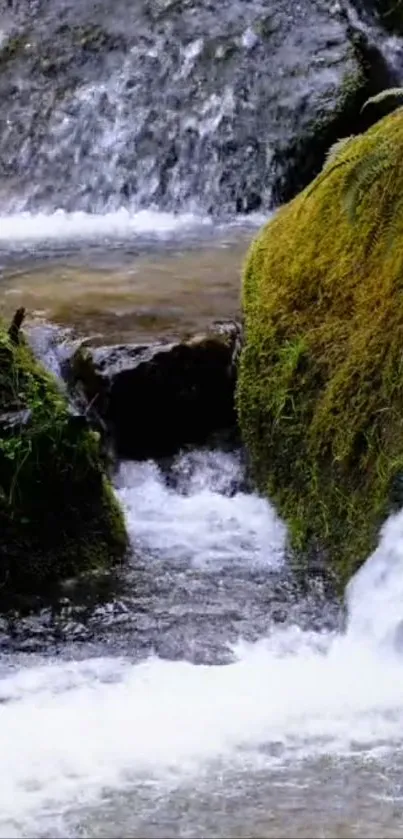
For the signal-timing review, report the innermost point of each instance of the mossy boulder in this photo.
(320, 390)
(58, 513)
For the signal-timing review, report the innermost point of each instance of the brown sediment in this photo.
(165, 295)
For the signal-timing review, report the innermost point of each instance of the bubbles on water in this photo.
(61, 231)
(375, 594)
(199, 513)
(70, 731)
(249, 38)
(25, 228)
(200, 470)
(190, 54)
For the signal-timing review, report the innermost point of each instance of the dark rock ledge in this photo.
(153, 399)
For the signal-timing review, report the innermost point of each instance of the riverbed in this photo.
(200, 689)
(158, 278)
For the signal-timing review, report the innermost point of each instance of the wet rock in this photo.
(301, 158)
(14, 332)
(116, 103)
(156, 398)
(58, 514)
(396, 493)
(388, 13)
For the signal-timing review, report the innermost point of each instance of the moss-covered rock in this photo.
(58, 514)
(320, 392)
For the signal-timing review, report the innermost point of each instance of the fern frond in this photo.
(326, 171)
(332, 162)
(362, 176)
(392, 218)
(389, 93)
(382, 226)
(334, 151)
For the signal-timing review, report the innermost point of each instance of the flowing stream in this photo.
(209, 696)
(201, 690)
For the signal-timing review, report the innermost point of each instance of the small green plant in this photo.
(58, 513)
(363, 171)
(344, 151)
(392, 95)
(334, 151)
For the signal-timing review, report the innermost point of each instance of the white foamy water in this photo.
(202, 518)
(70, 732)
(26, 228)
(375, 595)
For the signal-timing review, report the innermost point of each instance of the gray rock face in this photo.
(155, 399)
(179, 104)
(387, 13)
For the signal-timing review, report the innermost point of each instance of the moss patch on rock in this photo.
(58, 513)
(320, 391)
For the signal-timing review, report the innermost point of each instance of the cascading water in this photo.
(125, 121)
(170, 104)
(122, 745)
(199, 691)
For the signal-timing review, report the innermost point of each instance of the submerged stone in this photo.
(320, 392)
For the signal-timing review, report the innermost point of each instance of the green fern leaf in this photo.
(326, 171)
(362, 176)
(332, 162)
(334, 151)
(389, 93)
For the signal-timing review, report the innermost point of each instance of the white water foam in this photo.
(70, 731)
(24, 228)
(202, 518)
(375, 595)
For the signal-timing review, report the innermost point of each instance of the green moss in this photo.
(12, 48)
(58, 513)
(320, 392)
